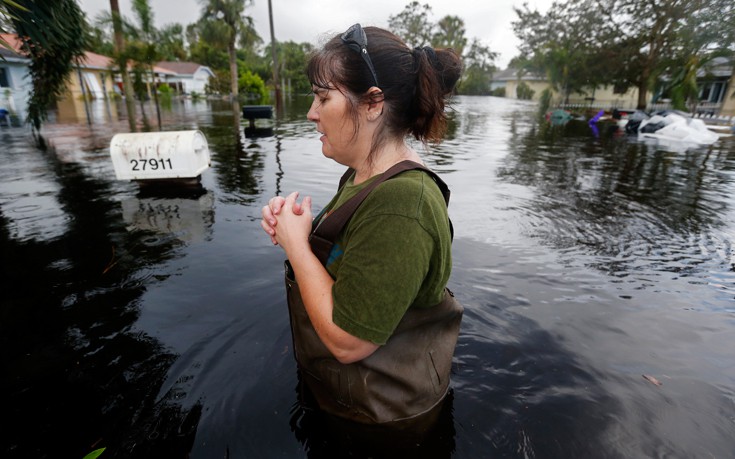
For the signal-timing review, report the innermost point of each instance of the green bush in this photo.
(545, 100)
(498, 92)
(251, 86)
(524, 92)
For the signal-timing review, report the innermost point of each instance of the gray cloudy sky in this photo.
(309, 20)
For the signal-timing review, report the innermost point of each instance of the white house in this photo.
(187, 77)
(15, 83)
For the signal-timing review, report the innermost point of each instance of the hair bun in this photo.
(448, 66)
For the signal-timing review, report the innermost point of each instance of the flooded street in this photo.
(597, 274)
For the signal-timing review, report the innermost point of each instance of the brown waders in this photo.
(405, 379)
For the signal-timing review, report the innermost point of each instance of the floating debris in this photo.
(652, 380)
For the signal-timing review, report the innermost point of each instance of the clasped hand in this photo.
(287, 221)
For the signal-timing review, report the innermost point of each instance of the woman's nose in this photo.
(312, 115)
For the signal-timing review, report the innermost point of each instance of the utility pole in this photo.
(274, 53)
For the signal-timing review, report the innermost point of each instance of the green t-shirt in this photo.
(394, 253)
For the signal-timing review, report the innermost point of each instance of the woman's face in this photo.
(330, 111)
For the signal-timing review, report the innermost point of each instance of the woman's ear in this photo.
(376, 100)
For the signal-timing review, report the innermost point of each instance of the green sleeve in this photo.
(383, 266)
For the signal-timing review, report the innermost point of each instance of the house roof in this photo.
(14, 54)
(182, 68)
(90, 60)
(717, 67)
(95, 61)
(511, 74)
(13, 40)
(10, 56)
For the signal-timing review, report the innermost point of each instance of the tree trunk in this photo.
(274, 55)
(642, 95)
(233, 70)
(643, 90)
(155, 96)
(123, 64)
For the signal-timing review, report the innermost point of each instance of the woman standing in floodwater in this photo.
(373, 323)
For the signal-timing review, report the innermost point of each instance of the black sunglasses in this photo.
(356, 39)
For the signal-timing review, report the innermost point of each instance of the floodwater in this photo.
(597, 274)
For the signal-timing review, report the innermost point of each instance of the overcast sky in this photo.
(309, 20)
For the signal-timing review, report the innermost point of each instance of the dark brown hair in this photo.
(415, 83)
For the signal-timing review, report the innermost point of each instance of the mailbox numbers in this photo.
(152, 164)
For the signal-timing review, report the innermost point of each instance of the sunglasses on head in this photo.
(356, 39)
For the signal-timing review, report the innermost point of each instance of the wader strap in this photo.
(325, 234)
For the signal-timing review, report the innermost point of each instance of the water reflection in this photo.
(70, 302)
(143, 322)
(621, 199)
(185, 212)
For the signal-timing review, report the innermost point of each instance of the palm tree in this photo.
(122, 61)
(146, 50)
(230, 14)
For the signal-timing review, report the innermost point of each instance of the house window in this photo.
(716, 95)
(4, 80)
(712, 92)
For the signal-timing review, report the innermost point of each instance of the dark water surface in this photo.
(154, 324)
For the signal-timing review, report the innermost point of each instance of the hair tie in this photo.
(430, 54)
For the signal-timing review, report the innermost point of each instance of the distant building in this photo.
(716, 82)
(186, 77)
(92, 77)
(510, 78)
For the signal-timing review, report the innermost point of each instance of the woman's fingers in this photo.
(276, 203)
(271, 212)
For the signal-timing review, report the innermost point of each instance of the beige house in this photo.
(716, 83)
(728, 105)
(603, 97)
(92, 77)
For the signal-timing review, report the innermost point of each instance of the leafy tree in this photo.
(144, 51)
(415, 27)
(229, 13)
(450, 33)
(478, 69)
(252, 86)
(53, 35)
(100, 35)
(708, 33)
(171, 45)
(292, 58)
(122, 62)
(524, 92)
(644, 36)
(208, 45)
(413, 24)
(563, 44)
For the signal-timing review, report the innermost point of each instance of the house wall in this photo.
(511, 88)
(194, 83)
(728, 103)
(605, 97)
(102, 82)
(199, 81)
(14, 98)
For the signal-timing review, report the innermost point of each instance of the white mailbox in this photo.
(159, 155)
